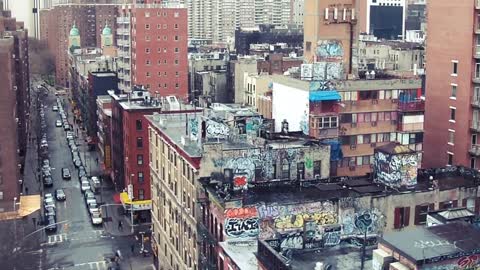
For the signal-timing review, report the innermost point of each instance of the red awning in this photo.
(116, 198)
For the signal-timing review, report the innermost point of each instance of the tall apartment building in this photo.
(274, 12)
(453, 84)
(153, 44)
(14, 106)
(56, 22)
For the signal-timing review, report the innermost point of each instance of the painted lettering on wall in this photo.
(241, 222)
(329, 50)
(217, 130)
(360, 221)
(396, 170)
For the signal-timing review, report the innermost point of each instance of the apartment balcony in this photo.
(412, 106)
(476, 53)
(476, 102)
(477, 4)
(410, 126)
(347, 129)
(123, 31)
(123, 20)
(371, 105)
(475, 126)
(474, 150)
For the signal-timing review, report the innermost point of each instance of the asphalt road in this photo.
(78, 244)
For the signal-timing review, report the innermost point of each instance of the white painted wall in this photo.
(22, 11)
(289, 103)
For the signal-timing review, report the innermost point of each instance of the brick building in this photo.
(104, 145)
(152, 40)
(56, 23)
(452, 124)
(14, 106)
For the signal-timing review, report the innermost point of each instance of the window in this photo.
(139, 142)
(451, 136)
(147, 26)
(176, 61)
(450, 158)
(469, 204)
(141, 194)
(159, 26)
(452, 113)
(285, 170)
(327, 122)
(175, 26)
(147, 62)
(317, 168)
(401, 217)
(455, 68)
(165, 85)
(164, 37)
(448, 204)
(138, 124)
(165, 26)
(176, 38)
(176, 85)
(148, 74)
(147, 38)
(147, 50)
(147, 14)
(176, 15)
(140, 177)
(176, 74)
(176, 50)
(421, 212)
(454, 90)
(140, 159)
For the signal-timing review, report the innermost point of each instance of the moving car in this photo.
(66, 173)
(85, 186)
(58, 123)
(55, 108)
(60, 195)
(96, 218)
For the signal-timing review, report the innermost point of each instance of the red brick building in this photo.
(14, 106)
(153, 48)
(452, 117)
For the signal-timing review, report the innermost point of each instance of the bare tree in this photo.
(42, 61)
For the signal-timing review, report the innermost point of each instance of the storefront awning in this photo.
(324, 96)
(137, 205)
(28, 205)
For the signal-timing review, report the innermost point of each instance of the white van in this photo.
(95, 184)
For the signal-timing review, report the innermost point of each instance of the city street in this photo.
(77, 244)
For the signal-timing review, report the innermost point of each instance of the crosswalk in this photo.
(98, 265)
(80, 236)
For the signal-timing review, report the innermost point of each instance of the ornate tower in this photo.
(74, 38)
(107, 36)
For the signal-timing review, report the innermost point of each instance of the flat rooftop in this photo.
(242, 254)
(424, 244)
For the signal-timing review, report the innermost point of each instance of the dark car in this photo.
(50, 224)
(50, 212)
(60, 195)
(47, 181)
(66, 173)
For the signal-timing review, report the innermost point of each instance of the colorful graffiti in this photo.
(471, 262)
(326, 71)
(396, 170)
(240, 182)
(217, 130)
(253, 124)
(292, 241)
(306, 71)
(297, 221)
(371, 221)
(322, 85)
(241, 222)
(304, 124)
(193, 125)
(329, 50)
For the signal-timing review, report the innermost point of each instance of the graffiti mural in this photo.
(332, 236)
(253, 124)
(471, 262)
(306, 71)
(322, 85)
(291, 241)
(371, 221)
(396, 170)
(304, 124)
(241, 222)
(193, 125)
(329, 50)
(240, 182)
(217, 130)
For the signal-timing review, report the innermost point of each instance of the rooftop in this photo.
(242, 255)
(426, 244)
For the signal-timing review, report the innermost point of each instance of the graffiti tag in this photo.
(236, 227)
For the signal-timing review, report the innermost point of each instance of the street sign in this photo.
(130, 192)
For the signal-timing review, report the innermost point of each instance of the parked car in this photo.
(77, 163)
(58, 123)
(93, 207)
(47, 181)
(49, 203)
(67, 127)
(96, 218)
(55, 108)
(60, 195)
(48, 196)
(66, 173)
(82, 173)
(50, 224)
(89, 197)
(50, 212)
(85, 186)
(95, 184)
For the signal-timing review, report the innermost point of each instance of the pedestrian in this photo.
(26, 190)
(96, 160)
(133, 249)
(120, 226)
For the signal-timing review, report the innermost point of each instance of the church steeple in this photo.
(107, 36)
(74, 38)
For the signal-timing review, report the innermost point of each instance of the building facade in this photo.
(452, 86)
(153, 48)
(14, 106)
(104, 145)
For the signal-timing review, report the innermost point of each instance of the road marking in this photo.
(76, 236)
(57, 238)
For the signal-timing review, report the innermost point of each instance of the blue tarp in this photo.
(336, 153)
(324, 96)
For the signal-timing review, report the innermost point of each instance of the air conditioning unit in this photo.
(374, 123)
(353, 146)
